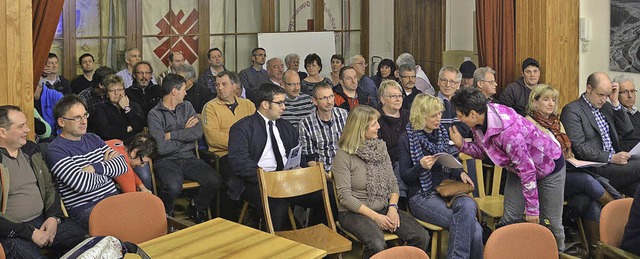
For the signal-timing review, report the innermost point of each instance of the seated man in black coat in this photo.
(252, 145)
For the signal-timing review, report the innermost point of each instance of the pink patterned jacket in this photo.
(514, 143)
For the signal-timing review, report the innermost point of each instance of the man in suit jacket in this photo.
(250, 147)
(594, 125)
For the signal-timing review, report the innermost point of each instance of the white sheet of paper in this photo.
(448, 160)
(293, 161)
(581, 163)
(635, 152)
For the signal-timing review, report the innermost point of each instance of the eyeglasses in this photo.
(326, 98)
(412, 77)
(361, 63)
(394, 96)
(143, 73)
(280, 103)
(77, 119)
(117, 90)
(449, 82)
(634, 91)
(292, 84)
(490, 82)
(142, 162)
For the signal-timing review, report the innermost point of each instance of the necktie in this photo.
(274, 146)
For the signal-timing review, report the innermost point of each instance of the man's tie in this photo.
(274, 146)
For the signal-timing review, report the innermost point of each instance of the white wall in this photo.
(459, 25)
(594, 55)
(381, 29)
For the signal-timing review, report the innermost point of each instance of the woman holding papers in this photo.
(425, 137)
(534, 189)
(586, 192)
(367, 190)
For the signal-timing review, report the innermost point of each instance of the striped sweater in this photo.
(66, 158)
(297, 109)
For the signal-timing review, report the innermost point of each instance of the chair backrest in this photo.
(133, 217)
(613, 219)
(497, 175)
(521, 240)
(401, 252)
(292, 183)
(2, 255)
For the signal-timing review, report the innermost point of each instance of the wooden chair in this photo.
(2, 255)
(133, 217)
(521, 240)
(297, 182)
(401, 252)
(491, 205)
(613, 219)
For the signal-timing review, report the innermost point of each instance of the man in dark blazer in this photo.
(250, 147)
(594, 126)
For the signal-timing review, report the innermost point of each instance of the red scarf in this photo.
(553, 124)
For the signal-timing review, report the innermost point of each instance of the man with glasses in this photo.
(485, 79)
(449, 79)
(132, 56)
(144, 91)
(176, 59)
(364, 82)
(627, 97)
(275, 69)
(82, 164)
(264, 140)
(321, 130)
(299, 105)
(516, 94)
(407, 75)
(254, 76)
(594, 123)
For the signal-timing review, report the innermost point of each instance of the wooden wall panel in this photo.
(419, 30)
(548, 31)
(16, 65)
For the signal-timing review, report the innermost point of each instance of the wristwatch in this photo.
(59, 220)
(393, 205)
(127, 109)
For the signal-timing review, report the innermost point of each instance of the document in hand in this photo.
(293, 161)
(635, 152)
(581, 163)
(448, 160)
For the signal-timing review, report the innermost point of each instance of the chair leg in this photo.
(435, 242)
(583, 236)
(243, 211)
(292, 219)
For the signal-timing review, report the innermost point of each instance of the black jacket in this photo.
(247, 140)
(147, 97)
(111, 122)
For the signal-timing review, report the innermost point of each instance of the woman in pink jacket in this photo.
(534, 189)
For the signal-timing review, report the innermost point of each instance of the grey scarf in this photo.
(378, 165)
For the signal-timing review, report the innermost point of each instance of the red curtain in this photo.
(46, 14)
(495, 24)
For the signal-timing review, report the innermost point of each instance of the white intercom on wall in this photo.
(585, 29)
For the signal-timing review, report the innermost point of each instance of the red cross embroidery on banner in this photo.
(177, 24)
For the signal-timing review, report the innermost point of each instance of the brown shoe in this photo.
(606, 198)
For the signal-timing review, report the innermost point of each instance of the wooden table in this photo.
(220, 238)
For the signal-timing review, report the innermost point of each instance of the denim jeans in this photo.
(372, 237)
(68, 235)
(465, 233)
(144, 173)
(624, 178)
(578, 183)
(172, 172)
(550, 196)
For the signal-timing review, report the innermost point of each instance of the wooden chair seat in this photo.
(319, 236)
(189, 184)
(436, 239)
(388, 236)
(491, 206)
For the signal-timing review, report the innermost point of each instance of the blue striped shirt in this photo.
(66, 158)
(319, 139)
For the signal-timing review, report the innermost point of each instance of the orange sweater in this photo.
(129, 181)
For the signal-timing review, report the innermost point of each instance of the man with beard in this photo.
(132, 57)
(84, 81)
(144, 91)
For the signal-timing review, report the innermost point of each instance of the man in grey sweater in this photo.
(175, 126)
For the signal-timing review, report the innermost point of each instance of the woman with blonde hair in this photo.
(423, 138)
(367, 191)
(586, 192)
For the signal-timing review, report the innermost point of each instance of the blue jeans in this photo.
(81, 214)
(68, 235)
(583, 184)
(144, 173)
(550, 197)
(465, 233)
(372, 237)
